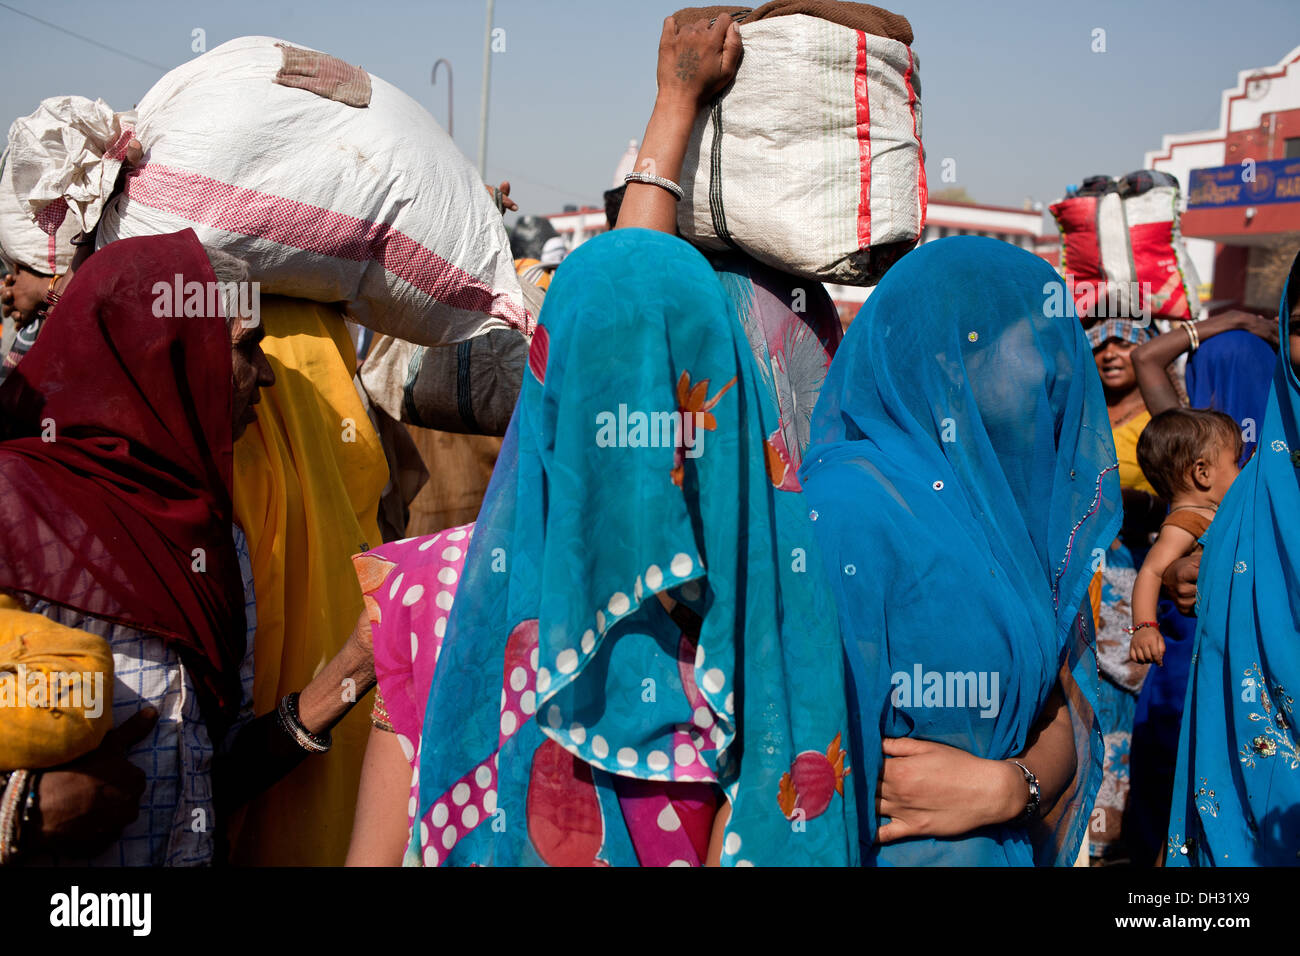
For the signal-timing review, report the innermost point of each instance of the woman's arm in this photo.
(1151, 358)
(380, 829)
(932, 789)
(263, 752)
(323, 702)
(714, 856)
(695, 62)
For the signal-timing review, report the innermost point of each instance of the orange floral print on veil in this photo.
(697, 412)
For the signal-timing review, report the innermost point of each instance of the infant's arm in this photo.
(1148, 644)
(1171, 544)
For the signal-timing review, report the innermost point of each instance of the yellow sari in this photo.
(1126, 442)
(308, 476)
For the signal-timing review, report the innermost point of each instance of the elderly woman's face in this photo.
(1115, 364)
(249, 371)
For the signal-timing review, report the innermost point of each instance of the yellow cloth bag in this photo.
(56, 690)
(308, 476)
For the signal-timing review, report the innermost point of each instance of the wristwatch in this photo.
(1031, 807)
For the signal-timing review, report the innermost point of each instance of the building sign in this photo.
(1245, 184)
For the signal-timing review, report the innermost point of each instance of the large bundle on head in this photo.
(42, 205)
(1122, 249)
(811, 160)
(43, 245)
(332, 184)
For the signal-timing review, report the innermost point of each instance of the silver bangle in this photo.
(659, 181)
(1031, 806)
(292, 725)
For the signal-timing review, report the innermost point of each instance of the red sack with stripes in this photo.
(1121, 249)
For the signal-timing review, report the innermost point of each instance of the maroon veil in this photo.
(116, 460)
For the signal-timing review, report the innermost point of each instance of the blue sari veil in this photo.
(964, 487)
(558, 653)
(1237, 785)
(1232, 372)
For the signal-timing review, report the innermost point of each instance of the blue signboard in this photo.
(1245, 184)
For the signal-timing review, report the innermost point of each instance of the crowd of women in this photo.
(872, 607)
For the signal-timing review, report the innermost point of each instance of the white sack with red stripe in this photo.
(331, 183)
(22, 241)
(811, 161)
(58, 169)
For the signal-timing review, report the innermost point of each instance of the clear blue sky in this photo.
(1010, 88)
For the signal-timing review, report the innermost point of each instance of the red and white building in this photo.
(1241, 186)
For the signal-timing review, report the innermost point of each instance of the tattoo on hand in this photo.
(688, 64)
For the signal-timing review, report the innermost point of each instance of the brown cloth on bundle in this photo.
(856, 16)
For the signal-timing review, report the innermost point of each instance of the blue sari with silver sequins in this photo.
(1237, 785)
(964, 474)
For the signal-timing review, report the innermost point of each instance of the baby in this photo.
(1190, 458)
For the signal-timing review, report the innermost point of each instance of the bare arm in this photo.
(324, 702)
(263, 753)
(1148, 646)
(695, 62)
(932, 789)
(379, 829)
(1151, 358)
(714, 857)
(1049, 754)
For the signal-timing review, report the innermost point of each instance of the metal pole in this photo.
(445, 62)
(487, 82)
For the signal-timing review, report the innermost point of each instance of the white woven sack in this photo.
(58, 168)
(811, 161)
(22, 241)
(372, 205)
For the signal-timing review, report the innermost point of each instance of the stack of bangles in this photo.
(1193, 336)
(52, 296)
(1133, 629)
(17, 810)
(292, 725)
(379, 714)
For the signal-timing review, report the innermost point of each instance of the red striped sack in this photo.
(1122, 250)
